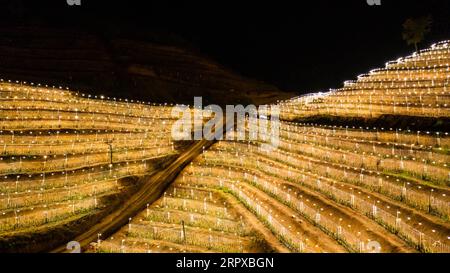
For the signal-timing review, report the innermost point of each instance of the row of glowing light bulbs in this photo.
(103, 102)
(89, 103)
(355, 92)
(394, 144)
(91, 115)
(342, 137)
(64, 93)
(341, 165)
(90, 171)
(387, 156)
(340, 103)
(295, 126)
(376, 69)
(322, 126)
(398, 212)
(410, 70)
(102, 97)
(435, 49)
(350, 90)
(363, 141)
(87, 153)
(364, 78)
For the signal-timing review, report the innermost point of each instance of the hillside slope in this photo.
(409, 93)
(324, 188)
(153, 68)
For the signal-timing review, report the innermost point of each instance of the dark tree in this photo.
(414, 29)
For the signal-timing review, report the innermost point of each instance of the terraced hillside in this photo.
(67, 158)
(416, 85)
(70, 160)
(325, 188)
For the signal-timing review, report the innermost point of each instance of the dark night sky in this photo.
(306, 46)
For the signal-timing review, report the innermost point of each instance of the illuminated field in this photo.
(64, 155)
(416, 85)
(325, 188)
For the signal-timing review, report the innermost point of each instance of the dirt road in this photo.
(152, 188)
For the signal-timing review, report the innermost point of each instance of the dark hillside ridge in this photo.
(146, 69)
